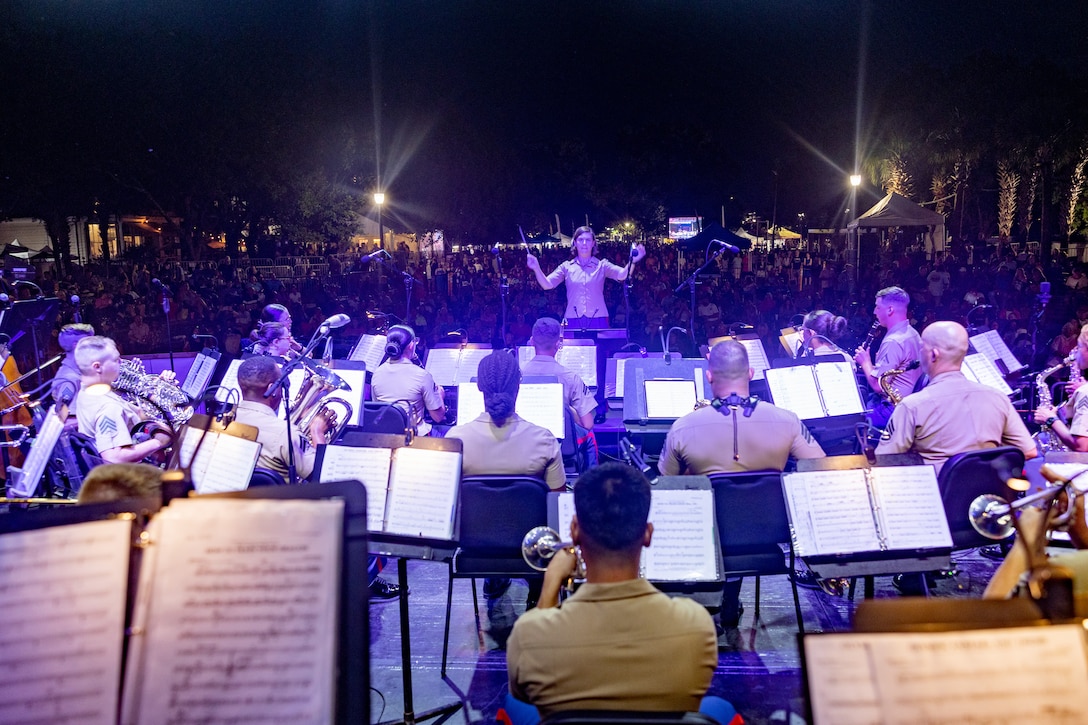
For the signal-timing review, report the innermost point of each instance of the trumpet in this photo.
(542, 543)
(313, 399)
(992, 516)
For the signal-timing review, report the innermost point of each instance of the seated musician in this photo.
(618, 642)
(820, 330)
(255, 376)
(272, 339)
(734, 433)
(105, 416)
(952, 414)
(1074, 433)
(400, 380)
(66, 382)
(118, 481)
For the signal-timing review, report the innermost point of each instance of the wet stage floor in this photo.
(758, 670)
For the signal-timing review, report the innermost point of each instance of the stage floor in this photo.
(758, 666)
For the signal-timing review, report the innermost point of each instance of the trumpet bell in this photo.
(991, 516)
(539, 546)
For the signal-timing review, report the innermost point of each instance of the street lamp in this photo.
(855, 182)
(379, 199)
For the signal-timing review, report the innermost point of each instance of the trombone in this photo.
(542, 543)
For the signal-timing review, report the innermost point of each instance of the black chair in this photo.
(752, 525)
(86, 453)
(495, 514)
(383, 418)
(964, 477)
(265, 477)
(627, 717)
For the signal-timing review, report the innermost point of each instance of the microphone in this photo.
(215, 340)
(76, 316)
(731, 247)
(634, 252)
(334, 322)
(495, 249)
(162, 287)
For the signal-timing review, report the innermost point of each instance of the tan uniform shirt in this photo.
(585, 286)
(517, 448)
(1079, 425)
(901, 346)
(402, 380)
(702, 441)
(623, 646)
(575, 392)
(952, 415)
(108, 419)
(272, 435)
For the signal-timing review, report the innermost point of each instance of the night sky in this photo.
(508, 111)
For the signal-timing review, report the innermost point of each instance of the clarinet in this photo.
(873, 332)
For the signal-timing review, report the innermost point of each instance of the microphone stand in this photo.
(409, 283)
(284, 383)
(504, 285)
(627, 282)
(691, 281)
(166, 313)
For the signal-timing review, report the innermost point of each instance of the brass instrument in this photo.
(1046, 439)
(992, 516)
(542, 543)
(313, 399)
(156, 398)
(887, 378)
(9, 442)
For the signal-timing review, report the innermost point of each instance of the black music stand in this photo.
(33, 315)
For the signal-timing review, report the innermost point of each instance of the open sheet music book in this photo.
(370, 349)
(791, 339)
(452, 365)
(892, 508)
(24, 481)
(582, 359)
(684, 545)
(200, 373)
(978, 367)
(991, 345)
(757, 354)
(669, 399)
(223, 462)
(816, 391)
(411, 490)
(949, 677)
(539, 403)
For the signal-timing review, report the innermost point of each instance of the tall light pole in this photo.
(855, 182)
(379, 199)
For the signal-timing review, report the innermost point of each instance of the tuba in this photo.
(157, 399)
(313, 399)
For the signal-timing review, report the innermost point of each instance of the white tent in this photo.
(899, 211)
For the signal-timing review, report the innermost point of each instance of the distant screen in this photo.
(683, 227)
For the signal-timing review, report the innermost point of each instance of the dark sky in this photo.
(475, 97)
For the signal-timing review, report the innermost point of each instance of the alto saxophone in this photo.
(1045, 438)
(887, 379)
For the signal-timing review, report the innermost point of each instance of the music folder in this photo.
(220, 458)
(369, 349)
(453, 364)
(578, 355)
(991, 345)
(200, 373)
(819, 390)
(682, 383)
(540, 403)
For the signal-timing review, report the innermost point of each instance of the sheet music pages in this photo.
(683, 546)
(370, 349)
(41, 451)
(542, 404)
(950, 677)
(991, 345)
(911, 511)
(582, 359)
(423, 486)
(791, 339)
(369, 465)
(620, 364)
(199, 375)
(241, 620)
(565, 509)
(442, 364)
(228, 383)
(64, 594)
(669, 398)
(978, 367)
(757, 356)
(839, 388)
(223, 463)
(794, 388)
(470, 363)
(831, 512)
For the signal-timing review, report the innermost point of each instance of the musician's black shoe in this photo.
(729, 620)
(995, 552)
(806, 579)
(495, 587)
(911, 584)
(601, 415)
(383, 591)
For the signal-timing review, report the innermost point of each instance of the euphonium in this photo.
(1045, 438)
(313, 399)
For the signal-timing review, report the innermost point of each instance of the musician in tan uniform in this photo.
(952, 414)
(1074, 434)
(400, 381)
(900, 347)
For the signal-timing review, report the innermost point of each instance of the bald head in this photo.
(944, 345)
(729, 371)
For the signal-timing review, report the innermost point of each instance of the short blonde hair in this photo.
(90, 350)
(118, 481)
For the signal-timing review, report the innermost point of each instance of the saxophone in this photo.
(1045, 438)
(887, 378)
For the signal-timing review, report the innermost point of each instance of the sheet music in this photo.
(370, 349)
(199, 374)
(64, 595)
(911, 512)
(978, 367)
(831, 512)
(566, 514)
(791, 340)
(757, 356)
(223, 463)
(470, 363)
(442, 363)
(369, 465)
(950, 677)
(230, 382)
(839, 388)
(41, 451)
(669, 398)
(539, 403)
(620, 364)
(683, 547)
(991, 345)
(423, 489)
(244, 626)
(794, 388)
(582, 359)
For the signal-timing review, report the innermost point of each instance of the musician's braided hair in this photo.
(498, 378)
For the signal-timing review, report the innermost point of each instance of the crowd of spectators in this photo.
(758, 291)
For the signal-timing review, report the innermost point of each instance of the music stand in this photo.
(33, 315)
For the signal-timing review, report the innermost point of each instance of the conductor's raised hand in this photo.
(532, 262)
(640, 252)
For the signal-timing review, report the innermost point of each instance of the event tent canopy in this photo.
(899, 211)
